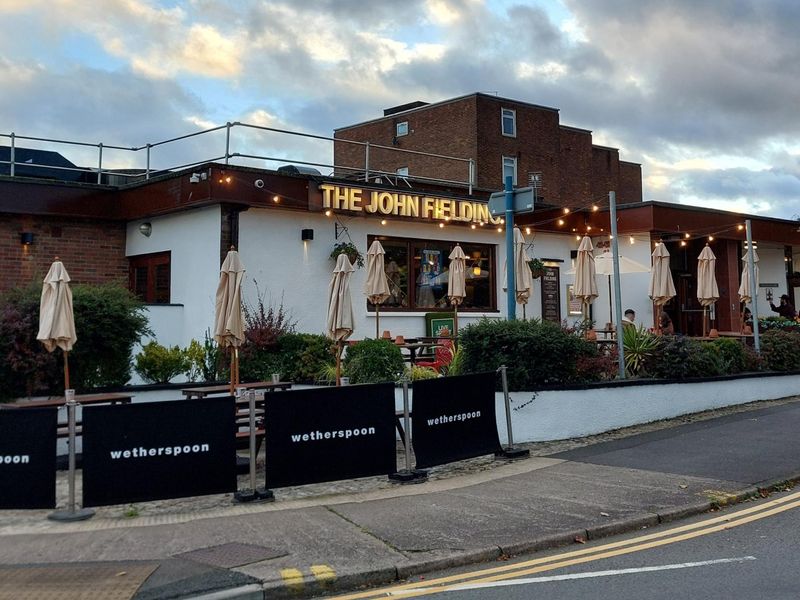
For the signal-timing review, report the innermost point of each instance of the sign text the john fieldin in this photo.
(353, 199)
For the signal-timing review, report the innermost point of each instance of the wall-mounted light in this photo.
(306, 235)
(146, 229)
(476, 268)
(26, 238)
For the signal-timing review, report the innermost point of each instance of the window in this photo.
(401, 129)
(510, 168)
(509, 122)
(402, 171)
(418, 271)
(149, 277)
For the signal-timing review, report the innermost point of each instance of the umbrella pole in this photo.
(610, 304)
(338, 362)
(455, 321)
(233, 370)
(66, 372)
(377, 321)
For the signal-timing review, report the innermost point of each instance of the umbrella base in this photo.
(80, 514)
(513, 453)
(404, 476)
(257, 495)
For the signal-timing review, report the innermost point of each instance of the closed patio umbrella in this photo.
(377, 285)
(707, 290)
(228, 319)
(56, 319)
(585, 285)
(661, 287)
(523, 280)
(745, 294)
(340, 320)
(456, 283)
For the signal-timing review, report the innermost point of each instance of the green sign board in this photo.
(440, 324)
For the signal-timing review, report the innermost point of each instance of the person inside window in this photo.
(785, 309)
(665, 325)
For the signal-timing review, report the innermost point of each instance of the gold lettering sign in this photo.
(379, 202)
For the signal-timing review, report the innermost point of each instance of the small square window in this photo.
(509, 122)
(401, 129)
(510, 168)
(402, 171)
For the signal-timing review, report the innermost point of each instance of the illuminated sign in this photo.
(385, 203)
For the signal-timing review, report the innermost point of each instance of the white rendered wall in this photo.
(193, 237)
(772, 269)
(299, 272)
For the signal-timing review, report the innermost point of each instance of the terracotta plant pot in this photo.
(591, 334)
(713, 333)
(386, 335)
(400, 340)
(747, 330)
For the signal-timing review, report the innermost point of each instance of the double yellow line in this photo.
(576, 557)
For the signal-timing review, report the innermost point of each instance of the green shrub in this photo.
(536, 352)
(732, 353)
(604, 366)
(456, 366)
(416, 373)
(640, 346)
(373, 361)
(295, 356)
(195, 355)
(158, 364)
(684, 358)
(109, 320)
(780, 350)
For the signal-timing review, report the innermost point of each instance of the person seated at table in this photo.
(665, 325)
(785, 309)
(629, 318)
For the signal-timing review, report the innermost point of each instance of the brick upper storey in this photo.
(573, 170)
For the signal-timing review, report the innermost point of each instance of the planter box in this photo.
(586, 410)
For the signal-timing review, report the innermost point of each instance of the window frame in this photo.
(150, 261)
(397, 129)
(512, 114)
(503, 171)
(491, 251)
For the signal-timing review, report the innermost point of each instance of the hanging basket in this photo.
(537, 268)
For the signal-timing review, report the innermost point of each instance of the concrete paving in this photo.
(307, 547)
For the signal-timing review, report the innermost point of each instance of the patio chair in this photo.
(443, 356)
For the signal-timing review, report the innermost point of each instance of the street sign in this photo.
(523, 202)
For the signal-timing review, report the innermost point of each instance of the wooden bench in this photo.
(83, 400)
(267, 386)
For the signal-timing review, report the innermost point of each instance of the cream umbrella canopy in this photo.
(745, 293)
(56, 319)
(523, 280)
(661, 286)
(456, 282)
(228, 319)
(340, 320)
(585, 285)
(707, 290)
(376, 287)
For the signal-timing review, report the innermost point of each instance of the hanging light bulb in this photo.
(561, 221)
(631, 239)
(686, 235)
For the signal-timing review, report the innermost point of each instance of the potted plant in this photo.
(349, 249)
(537, 268)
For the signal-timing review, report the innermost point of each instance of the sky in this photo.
(703, 93)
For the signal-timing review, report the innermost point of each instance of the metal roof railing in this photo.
(366, 170)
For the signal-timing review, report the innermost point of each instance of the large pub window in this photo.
(149, 277)
(418, 270)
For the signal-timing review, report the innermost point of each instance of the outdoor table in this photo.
(606, 333)
(84, 400)
(417, 346)
(267, 386)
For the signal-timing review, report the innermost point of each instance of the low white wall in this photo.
(563, 414)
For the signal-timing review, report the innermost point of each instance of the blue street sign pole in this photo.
(511, 286)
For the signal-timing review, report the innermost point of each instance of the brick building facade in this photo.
(494, 132)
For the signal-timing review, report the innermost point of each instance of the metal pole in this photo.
(511, 295)
(227, 141)
(147, 173)
(751, 266)
(407, 424)
(612, 205)
(71, 514)
(100, 162)
(504, 378)
(366, 162)
(471, 174)
(251, 401)
(13, 152)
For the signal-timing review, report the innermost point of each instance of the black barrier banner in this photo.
(325, 434)
(158, 450)
(28, 457)
(453, 418)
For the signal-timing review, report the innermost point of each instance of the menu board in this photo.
(551, 298)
